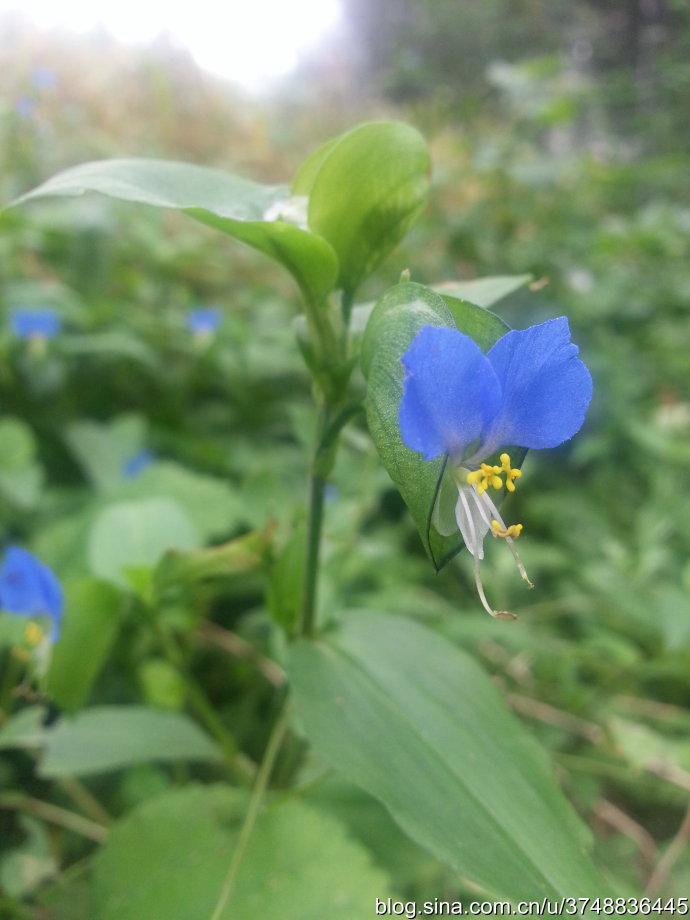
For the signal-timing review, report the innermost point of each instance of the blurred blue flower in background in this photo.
(44, 78)
(530, 390)
(35, 323)
(137, 462)
(204, 321)
(25, 107)
(29, 588)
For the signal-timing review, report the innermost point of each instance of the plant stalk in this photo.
(258, 793)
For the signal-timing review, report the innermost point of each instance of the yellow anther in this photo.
(33, 633)
(513, 531)
(484, 477)
(510, 473)
(488, 475)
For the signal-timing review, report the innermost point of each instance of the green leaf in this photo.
(169, 859)
(21, 477)
(245, 210)
(646, 748)
(134, 535)
(395, 321)
(365, 191)
(25, 867)
(484, 292)
(111, 737)
(102, 449)
(89, 629)
(484, 327)
(286, 581)
(25, 729)
(211, 503)
(243, 554)
(413, 721)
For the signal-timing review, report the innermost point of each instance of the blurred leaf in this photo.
(89, 628)
(395, 321)
(408, 865)
(161, 684)
(211, 503)
(112, 737)
(25, 729)
(243, 209)
(23, 868)
(134, 535)
(414, 722)
(111, 343)
(484, 292)
(103, 449)
(170, 857)
(21, 477)
(365, 191)
(286, 581)
(242, 554)
(648, 749)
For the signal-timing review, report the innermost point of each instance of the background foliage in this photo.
(559, 151)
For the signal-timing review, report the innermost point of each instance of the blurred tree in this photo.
(636, 50)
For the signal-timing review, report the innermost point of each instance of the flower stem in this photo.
(258, 793)
(317, 484)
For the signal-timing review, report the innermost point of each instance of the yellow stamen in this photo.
(513, 531)
(488, 475)
(33, 633)
(484, 477)
(510, 473)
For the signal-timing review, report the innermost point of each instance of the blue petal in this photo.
(450, 393)
(137, 463)
(29, 588)
(546, 388)
(27, 322)
(204, 320)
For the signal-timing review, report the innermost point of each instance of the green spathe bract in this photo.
(395, 321)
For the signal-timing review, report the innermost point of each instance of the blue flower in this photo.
(29, 588)
(25, 107)
(44, 78)
(137, 462)
(204, 320)
(530, 390)
(34, 323)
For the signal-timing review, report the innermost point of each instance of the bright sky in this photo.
(245, 40)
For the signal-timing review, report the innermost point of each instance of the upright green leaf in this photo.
(245, 210)
(394, 322)
(414, 722)
(90, 625)
(365, 190)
